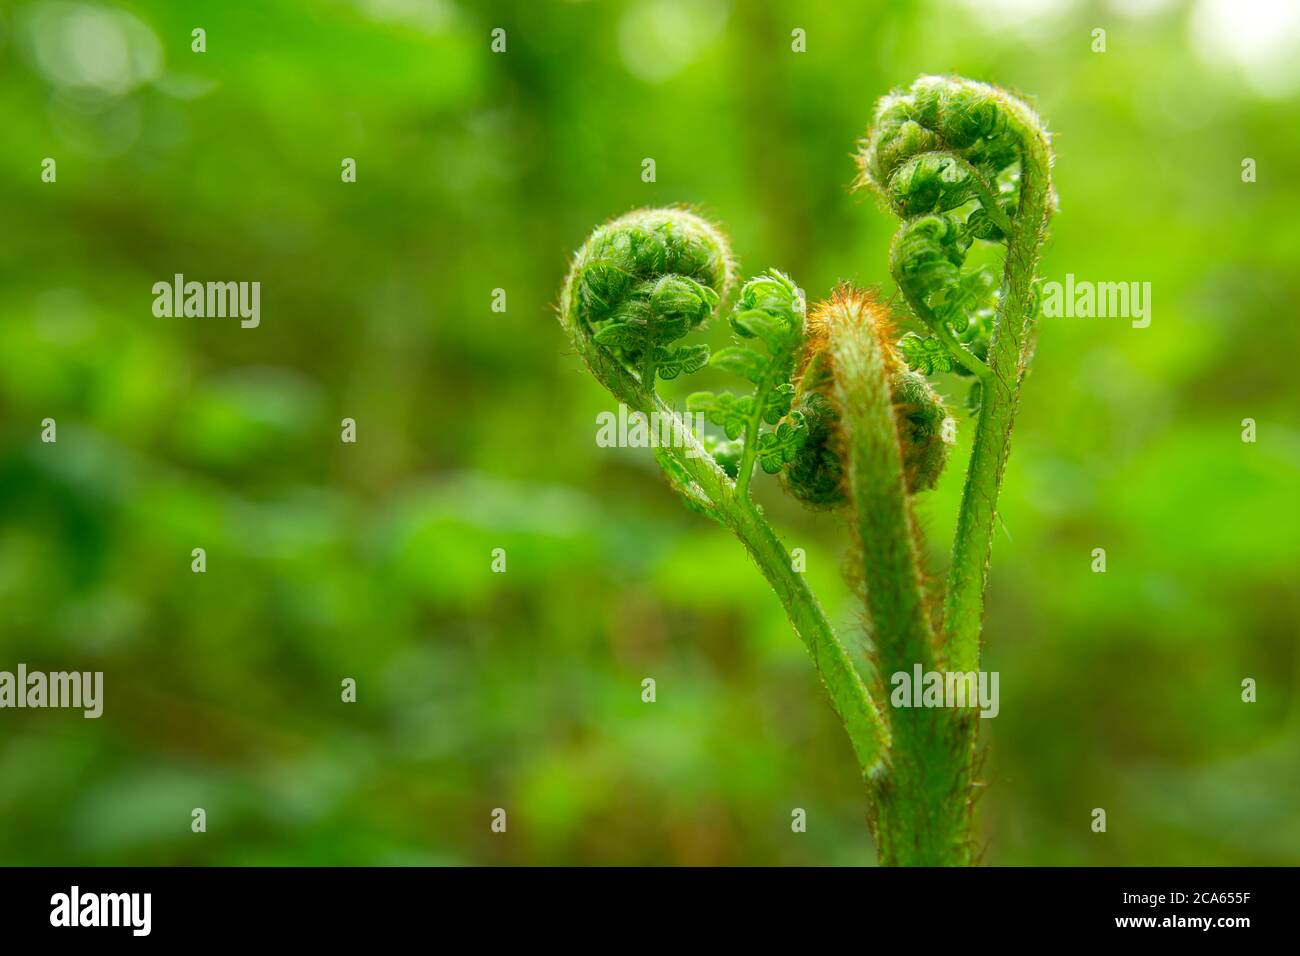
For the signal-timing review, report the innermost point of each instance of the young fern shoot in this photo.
(769, 313)
(959, 161)
(631, 258)
(843, 413)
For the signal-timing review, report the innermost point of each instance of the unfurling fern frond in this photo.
(816, 476)
(949, 156)
(843, 412)
(637, 286)
(769, 324)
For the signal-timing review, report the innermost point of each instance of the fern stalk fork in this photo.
(843, 412)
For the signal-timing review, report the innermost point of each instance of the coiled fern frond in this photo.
(638, 285)
(961, 162)
(817, 474)
(951, 158)
(843, 412)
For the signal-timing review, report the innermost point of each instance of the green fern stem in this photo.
(960, 162)
(620, 258)
(921, 810)
(1009, 352)
(867, 732)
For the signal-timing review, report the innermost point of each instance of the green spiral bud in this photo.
(975, 122)
(948, 155)
(645, 280)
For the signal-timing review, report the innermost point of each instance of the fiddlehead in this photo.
(883, 450)
(950, 157)
(638, 285)
(920, 805)
(816, 475)
(961, 162)
(859, 425)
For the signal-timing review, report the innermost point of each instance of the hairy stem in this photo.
(712, 491)
(921, 813)
(848, 694)
(843, 683)
(1009, 350)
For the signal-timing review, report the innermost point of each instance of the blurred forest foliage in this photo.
(475, 430)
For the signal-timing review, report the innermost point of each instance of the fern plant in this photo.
(841, 410)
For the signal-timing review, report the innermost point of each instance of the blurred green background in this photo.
(475, 430)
